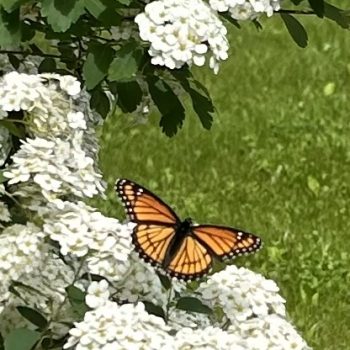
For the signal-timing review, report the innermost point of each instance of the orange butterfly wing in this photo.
(225, 242)
(156, 221)
(142, 205)
(192, 260)
(155, 235)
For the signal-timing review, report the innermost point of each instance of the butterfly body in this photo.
(181, 248)
(182, 229)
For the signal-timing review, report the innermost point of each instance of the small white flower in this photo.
(246, 9)
(128, 326)
(182, 32)
(76, 120)
(70, 84)
(97, 294)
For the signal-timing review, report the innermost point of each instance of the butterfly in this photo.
(181, 248)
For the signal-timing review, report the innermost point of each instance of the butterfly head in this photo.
(188, 221)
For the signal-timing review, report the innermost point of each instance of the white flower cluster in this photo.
(209, 338)
(110, 326)
(272, 332)
(183, 32)
(246, 9)
(60, 158)
(80, 229)
(242, 294)
(57, 166)
(44, 290)
(141, 283)
(115, 327)
(20, 91)
(22, 251)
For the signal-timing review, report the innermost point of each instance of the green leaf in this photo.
(193, 305)
(48, 64)
(154, 309)
(21, 339)
(201, 101)
(28, 31)
(295, 29)
(129, 96)
(62, 14)
(97, 64)
(165, 281)
(100, 102)
(76, 298)
(125, 64)
(33, 316)
(2, 180)
(104, 11)
(168, 104)
(14, 60)
(75, 294)
(339, 16)
(15, 130)
(10, 28)
(318, 7)
(10, 5)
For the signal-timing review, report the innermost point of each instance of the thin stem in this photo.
(168, 304)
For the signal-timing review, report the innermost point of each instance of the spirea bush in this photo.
(70, 278)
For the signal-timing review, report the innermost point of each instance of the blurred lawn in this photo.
(276, 162)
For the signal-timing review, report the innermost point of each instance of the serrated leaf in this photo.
(100, 102)
(125, 64)
(62, 14)
(21, 339)
(10, 28)
(129, 96)
(295, 29)
(168, 104)
(193, 305)
(337, 15)
(154, 309)
(97, 64)
(33, 316)
(318, 7)
(201, 101)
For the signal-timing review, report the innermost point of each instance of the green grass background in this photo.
(276, 162)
